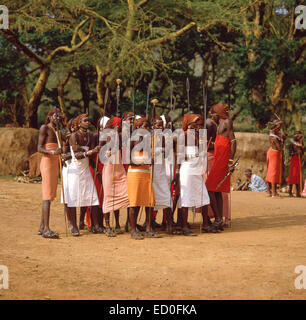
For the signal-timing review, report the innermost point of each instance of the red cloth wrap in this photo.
(274, 166)
(219, 167)
(99, 191)
(295, 170)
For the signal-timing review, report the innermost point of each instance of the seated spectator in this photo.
(255, 183)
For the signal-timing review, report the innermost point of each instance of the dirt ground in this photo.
(255, 259)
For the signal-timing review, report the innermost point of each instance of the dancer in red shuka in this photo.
(296, 151)
(224, 151)
(274, 158)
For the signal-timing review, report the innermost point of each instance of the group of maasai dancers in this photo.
(101, 189)
(275, 162)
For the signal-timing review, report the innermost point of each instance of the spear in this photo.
(133, 103)
(118, 81)
(154, 102)
(188, 90)
(171, 95)
(61, 169)
(204, 103)
(102, 116)
(105, 100)
(148, 98)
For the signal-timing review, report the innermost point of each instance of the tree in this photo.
(43, 18)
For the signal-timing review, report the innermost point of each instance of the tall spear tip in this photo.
(154, 101)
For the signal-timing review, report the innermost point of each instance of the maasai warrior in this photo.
(224, 151)
(82, 191)
(49, 168)
(296, 152)
(212, 126)
(161, 181)
(114, 182)
(130, 118)
(140, 188)
(254, 182)
(193, 192)
(274, 158)
(71, 212)
(96, 168)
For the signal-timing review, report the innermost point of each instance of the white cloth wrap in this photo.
(65, 172)
(193, 190)
(81, 188)
(161, 185)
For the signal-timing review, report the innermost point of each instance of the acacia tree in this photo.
(135, 36)
(271, 59)
(42, 17)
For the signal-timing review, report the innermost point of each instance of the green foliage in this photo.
(218, 49)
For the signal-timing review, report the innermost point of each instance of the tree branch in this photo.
(67, 50)
(13, 39)
(94, 14)
(142, 3)
(76, 31)
(171, 36)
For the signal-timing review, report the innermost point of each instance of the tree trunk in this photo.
(84, 87)
(99, 88)
(36, 97)
(60, 94)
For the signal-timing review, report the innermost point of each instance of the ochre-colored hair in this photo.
(79, 118)
(50, 114)
(139, 122)
(221, 110)
(190, 118)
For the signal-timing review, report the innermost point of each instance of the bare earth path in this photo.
(255, 259)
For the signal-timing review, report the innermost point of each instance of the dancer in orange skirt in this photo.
(274, 158)
(140, 187)
(48, 146)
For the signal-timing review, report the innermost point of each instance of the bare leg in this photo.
(274, 190)
(269, 193)
(68, 217)
(82, 217)
(207, 225)
(117, 228)
(149, 219)
(179, 221)
(216, 204)
(95, 220)
(108, 231)
(150, 233)
(47, 233)
(168, 213)
(133, 219)
(290, 191)
(186, 230)
(298, 191)
(101, 218)
(71, 213)
(127, 220)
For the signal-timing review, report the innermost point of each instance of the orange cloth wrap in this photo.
(274, 166)
(140, 186)
(49, 172)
